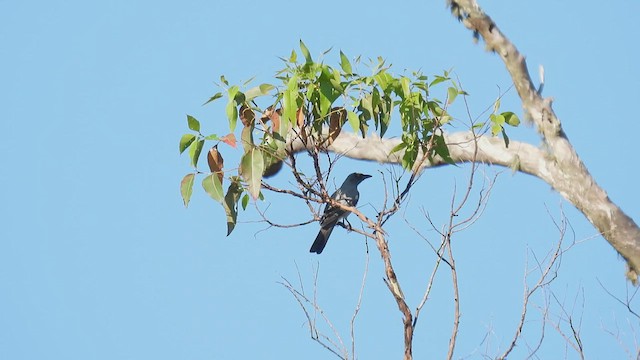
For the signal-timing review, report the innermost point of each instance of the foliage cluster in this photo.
(311, 103)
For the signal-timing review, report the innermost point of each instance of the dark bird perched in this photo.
(347, 195)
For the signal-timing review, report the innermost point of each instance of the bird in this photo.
(348, 195)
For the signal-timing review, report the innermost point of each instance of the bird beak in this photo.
(365, 176)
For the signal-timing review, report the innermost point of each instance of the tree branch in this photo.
(558, 164)
(568, 175)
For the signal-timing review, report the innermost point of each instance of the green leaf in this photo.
(245, 201)
(232, 92)
(289, 101)
(496, 129)
(438, 79)
(261, 90)
(232, 114)
(305, 52)
(511, 118)
(248, 81)
(239, 97)
(294, 57)
(384, 112)
(194, 151)
(366, 106)
(354, 121)
(193, 123)
(265, 88)
(407, 115)
(384, 80)
(185, 141)
(409, 158)
(252, 166)
(212, 137)
(325, 98)
(186, 188)
(436, 110)
(213, 98)
(422, 86)
(405, 87)
(398, 147)
(224, 80)
(246, 138)
(451, 95)
(379, 65)
(325, 103)
(213, 187)
(441, 148)
(337, 86)
(327, 92)
(344, 63)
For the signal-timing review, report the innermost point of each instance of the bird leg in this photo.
(346, 224)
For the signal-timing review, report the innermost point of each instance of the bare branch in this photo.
(425, 296)
(302, 299)
(573, 339)
(547, 275)
(563, 169)
(358, 304)
(456, 299)
(626, 303)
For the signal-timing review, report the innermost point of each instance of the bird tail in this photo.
(321, 240)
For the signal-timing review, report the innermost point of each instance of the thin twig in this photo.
(358, 304)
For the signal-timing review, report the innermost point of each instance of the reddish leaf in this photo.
(229, 139)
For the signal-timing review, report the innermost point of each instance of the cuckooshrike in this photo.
(348, 195)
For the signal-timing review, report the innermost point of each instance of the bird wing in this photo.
(331, 216)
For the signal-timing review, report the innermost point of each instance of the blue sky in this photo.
(100, 260)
